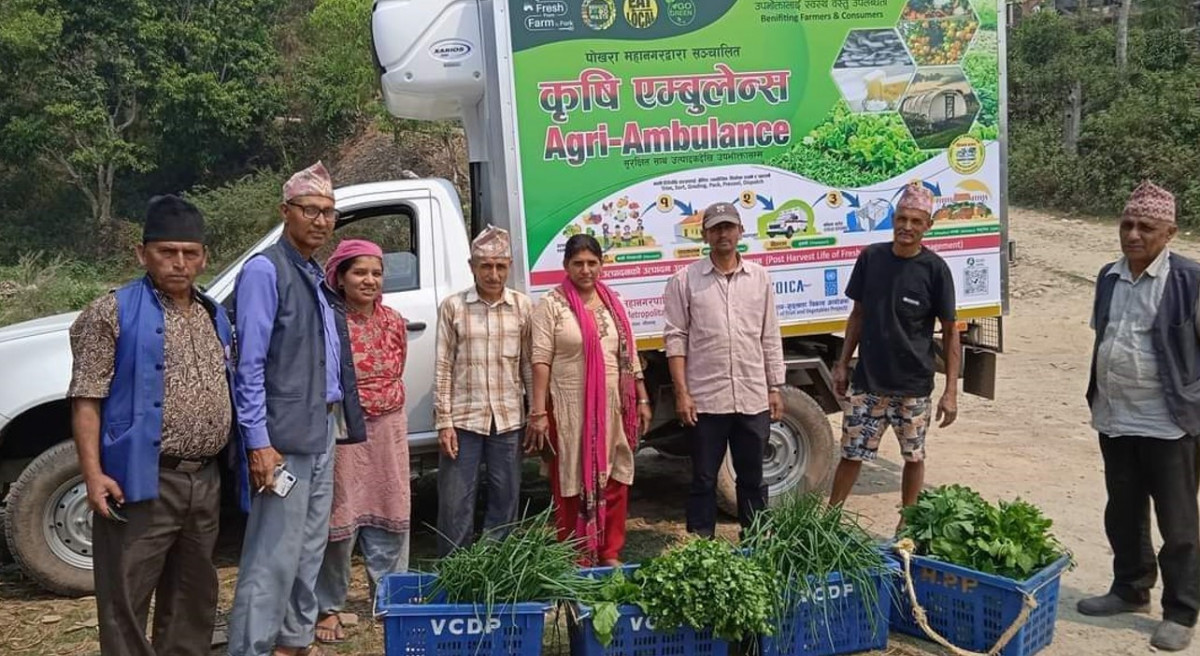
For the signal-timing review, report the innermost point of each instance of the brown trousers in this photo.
(165, 549)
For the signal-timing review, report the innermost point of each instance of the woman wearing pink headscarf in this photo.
(371, 502)
(585, 360)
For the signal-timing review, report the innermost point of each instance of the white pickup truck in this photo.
(621, 120)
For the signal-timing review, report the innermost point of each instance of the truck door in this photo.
(408, 288)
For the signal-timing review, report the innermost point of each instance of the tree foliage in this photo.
(103, 90)
(1145, 124)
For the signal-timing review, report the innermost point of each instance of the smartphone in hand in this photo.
(114, 511)
(284, 481)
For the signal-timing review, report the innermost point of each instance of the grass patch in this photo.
(39, 285)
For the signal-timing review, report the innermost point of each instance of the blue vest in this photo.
(294, 376)
(131, 416)
(1174, 336)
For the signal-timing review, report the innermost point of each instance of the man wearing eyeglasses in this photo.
(296, 394)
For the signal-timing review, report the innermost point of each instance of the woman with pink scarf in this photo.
(589, 403)
(371, 502)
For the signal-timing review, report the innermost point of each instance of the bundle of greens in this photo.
(707, 584)
(528, 565)
(954, 524)
(801, 541)
(614, 590)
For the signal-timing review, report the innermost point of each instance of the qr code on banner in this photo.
(975, 278)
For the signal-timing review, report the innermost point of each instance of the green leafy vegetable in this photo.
(614, 590)
(853, 150)
(703, 584)
(955, 524)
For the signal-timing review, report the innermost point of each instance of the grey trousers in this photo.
(275, 603)
(166, 550)
(384, 552)
(458, 481)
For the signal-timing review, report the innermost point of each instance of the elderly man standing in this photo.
(726, 360)
(295, 393)
(483, 378)
(1145, 404)
(900, 289)
(151, 410)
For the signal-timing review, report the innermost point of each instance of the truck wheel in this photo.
(49, 524)
(800, 455)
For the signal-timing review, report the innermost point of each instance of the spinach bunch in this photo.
(706, 583)
(615, 590)
(955, 524)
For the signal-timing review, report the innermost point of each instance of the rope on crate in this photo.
(905, 548)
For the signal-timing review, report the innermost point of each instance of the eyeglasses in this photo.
(311, 212)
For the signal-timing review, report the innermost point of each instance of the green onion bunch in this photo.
(530, 564)
(801, 541)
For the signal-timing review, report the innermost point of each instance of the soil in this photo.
(1034, 441)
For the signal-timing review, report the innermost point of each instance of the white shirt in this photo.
(1130, 400)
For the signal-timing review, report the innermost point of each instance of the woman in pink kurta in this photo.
(371, 501)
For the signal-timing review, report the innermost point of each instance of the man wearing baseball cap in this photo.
(1144, 395)
(726, 360)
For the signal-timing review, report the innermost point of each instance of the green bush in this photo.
(1144, 125)
(39, 286)
(238, 214)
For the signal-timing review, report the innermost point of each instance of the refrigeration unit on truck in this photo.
(624, 119)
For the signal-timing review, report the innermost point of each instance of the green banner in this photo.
(810, 115)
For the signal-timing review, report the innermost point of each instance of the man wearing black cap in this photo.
(151, 411)
(726, 359)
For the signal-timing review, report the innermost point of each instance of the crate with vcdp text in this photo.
(414, 628)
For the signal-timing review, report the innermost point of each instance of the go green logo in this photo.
(681, 12)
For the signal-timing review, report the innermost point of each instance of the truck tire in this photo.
(49, 525)
(800, 456)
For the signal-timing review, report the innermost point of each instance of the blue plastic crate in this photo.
(837, 623)
(413, 628)
(972, 609)
(634, 634)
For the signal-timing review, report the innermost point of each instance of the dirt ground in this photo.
(1033, 441)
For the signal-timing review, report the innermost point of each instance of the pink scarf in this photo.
(594, 440)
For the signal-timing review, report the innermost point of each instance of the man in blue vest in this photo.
(1144, 395)
(296, 394)
(151, 411)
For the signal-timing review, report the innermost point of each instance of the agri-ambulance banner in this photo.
(809, 115)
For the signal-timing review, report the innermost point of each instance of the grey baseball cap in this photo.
(719, 213)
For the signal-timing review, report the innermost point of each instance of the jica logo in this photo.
(681, 12)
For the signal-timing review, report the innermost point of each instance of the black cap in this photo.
(171, 218)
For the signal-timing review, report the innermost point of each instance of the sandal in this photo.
(315, 650)
(327, 633)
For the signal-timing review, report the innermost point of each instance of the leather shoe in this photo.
(1109, 604)
(1170, 636)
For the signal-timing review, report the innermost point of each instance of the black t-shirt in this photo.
(900, 299)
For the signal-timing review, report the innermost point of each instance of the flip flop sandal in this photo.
(315, 650)
(336, 629)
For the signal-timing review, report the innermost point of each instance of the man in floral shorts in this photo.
(900, 289)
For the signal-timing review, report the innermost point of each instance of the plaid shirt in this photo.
(483, 367)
